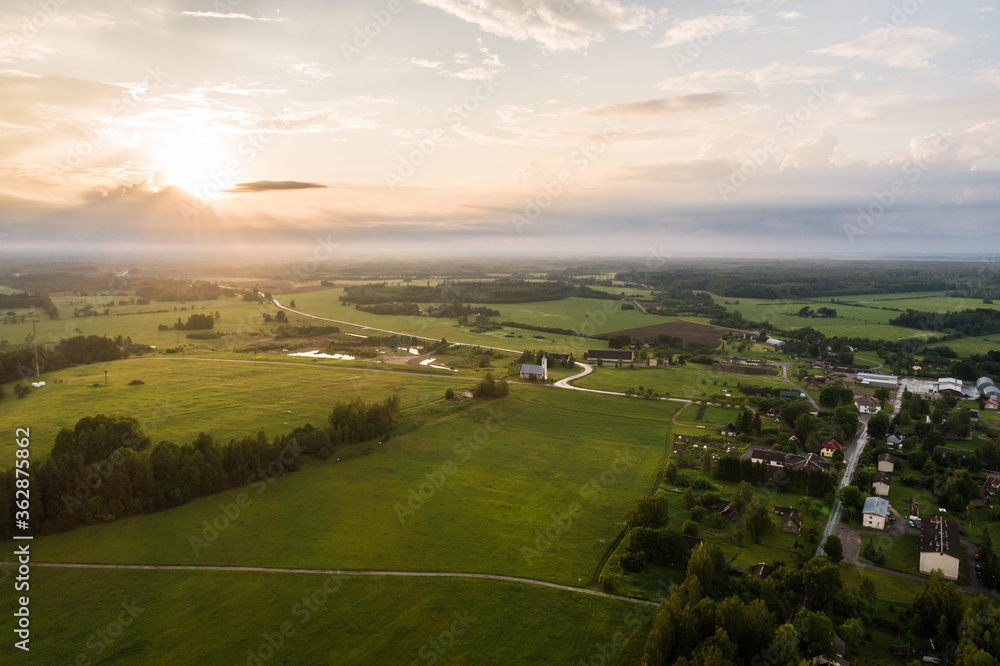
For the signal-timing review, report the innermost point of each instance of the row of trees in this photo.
(79, 350)
(106, 468)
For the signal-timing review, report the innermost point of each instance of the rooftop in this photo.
(877, 505)
(940, 535)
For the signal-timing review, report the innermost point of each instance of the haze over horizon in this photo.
(501, 127)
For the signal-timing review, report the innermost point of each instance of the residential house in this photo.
(875, 513)
(761, 570)
(729, 431)
(839, 648)
(894, 440)
(791, 521)
(991, 404)
(792, 394)
(992, 485)
(886, 463)
(867, 404)
(830, 448)
(940, 546)
(880, 483)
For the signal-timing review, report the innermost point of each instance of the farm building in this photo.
(877, 380)
(774, 343)
(559, 358)
(886, 463)
(792, 394)
(940, 546)
(867, 404)
(830, 448)
(875, 513)
(776, 460)
(613, 355)
(880, 483)
(950, 386)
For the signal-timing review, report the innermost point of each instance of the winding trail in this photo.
(339, 572)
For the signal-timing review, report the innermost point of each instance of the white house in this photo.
(867, 404)
(875, 513)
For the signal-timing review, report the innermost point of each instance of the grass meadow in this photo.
(544, 496)
(680, 381)
(227, 617)
(182, 397)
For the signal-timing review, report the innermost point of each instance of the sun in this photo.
(193, 164)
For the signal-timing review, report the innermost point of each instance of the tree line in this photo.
(23, 301)
(973, 322)
(497, 291)
(79, 350)
(105, 467)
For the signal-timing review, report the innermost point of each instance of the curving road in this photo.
(341, 572)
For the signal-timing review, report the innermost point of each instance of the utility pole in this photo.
(34, 332)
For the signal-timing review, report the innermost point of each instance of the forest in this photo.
(498, 291)
(788, 280)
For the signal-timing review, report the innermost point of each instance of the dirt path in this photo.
(341, 572)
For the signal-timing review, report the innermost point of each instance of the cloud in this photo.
(309, 72)
(557, 25)
(776, 73)
(906, 48)
(813, 153)
(231, 15)
(272, 185)
(711, 25)
(664, 105)
(789, 16)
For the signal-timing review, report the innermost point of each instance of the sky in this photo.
(502, 127)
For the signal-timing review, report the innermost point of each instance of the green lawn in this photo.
(181, 398)
(216, 617)
(558, 454)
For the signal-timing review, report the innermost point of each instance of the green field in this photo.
(680, 381)
(217, 617)
(850, 320)
(181, 397)
(571, 313)
(543, 462)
